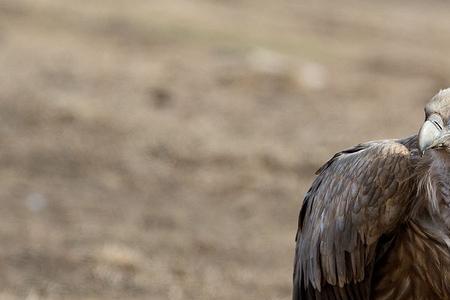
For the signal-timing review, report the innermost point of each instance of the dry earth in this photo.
(160, 149)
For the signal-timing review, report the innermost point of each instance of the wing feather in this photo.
(359, 195)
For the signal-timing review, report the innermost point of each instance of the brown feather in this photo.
(339, 223)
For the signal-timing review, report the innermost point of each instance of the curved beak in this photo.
(432, 137)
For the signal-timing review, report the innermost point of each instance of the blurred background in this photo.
(160, 149)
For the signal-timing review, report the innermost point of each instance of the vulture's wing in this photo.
(358, 198)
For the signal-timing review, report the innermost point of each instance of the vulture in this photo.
(375, 223)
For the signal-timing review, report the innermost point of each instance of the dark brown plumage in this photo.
(375, 223)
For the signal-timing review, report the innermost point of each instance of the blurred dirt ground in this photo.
(160, 149)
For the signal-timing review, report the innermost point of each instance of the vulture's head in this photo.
(434, 136)
(434, 144)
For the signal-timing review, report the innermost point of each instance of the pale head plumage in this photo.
(439, 103)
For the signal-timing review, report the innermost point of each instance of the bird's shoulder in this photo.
(403, 149)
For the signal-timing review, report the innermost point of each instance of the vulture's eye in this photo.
(436, 123)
